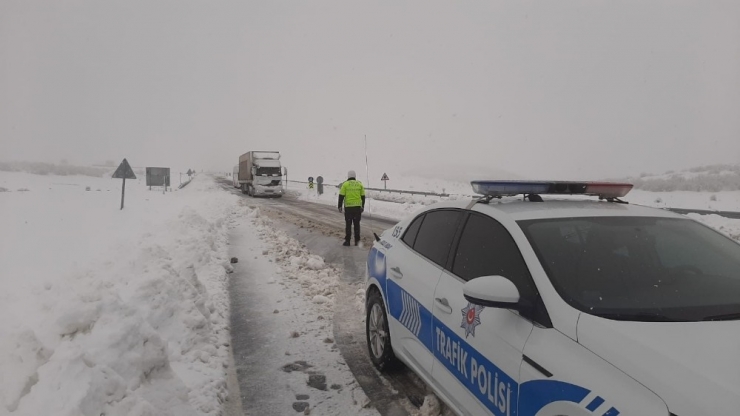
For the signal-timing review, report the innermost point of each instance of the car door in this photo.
(478, 350)
(414, 267)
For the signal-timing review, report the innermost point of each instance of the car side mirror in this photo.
(492, 291)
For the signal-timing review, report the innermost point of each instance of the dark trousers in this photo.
(352, 215)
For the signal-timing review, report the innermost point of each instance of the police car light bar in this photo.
(606, 190)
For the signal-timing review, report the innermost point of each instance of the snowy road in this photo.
(285, 355)
(258, 351)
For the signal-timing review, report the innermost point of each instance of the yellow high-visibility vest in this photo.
(353, 192)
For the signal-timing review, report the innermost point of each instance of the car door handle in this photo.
(397, 272)
(443, 305)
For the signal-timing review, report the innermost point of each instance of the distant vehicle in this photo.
(260, 173)
(235, 177)
(544, 307)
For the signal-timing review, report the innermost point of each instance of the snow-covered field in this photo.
(112, 312)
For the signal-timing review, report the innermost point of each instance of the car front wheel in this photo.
(378, 336)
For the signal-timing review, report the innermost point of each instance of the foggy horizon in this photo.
(567, 90)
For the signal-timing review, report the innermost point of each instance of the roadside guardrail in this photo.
(399, 191)
(402, 191)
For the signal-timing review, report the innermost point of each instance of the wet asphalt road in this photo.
(321, 228)
(252, 341)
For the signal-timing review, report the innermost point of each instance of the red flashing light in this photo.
(608, 189)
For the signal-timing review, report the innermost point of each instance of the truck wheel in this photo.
(377, 334)
(250, 191)
(244, 188)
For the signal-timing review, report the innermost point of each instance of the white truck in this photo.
(260, 173)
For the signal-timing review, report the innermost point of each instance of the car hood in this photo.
(693, 366)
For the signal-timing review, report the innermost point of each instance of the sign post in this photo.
(385, 180)
(124, 172)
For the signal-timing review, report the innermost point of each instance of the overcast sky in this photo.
(547, 89)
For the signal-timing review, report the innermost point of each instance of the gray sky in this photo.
(548, 89)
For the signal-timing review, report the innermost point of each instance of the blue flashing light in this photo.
(506, 188)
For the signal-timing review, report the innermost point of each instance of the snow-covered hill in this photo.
(42, 168)
(712, 178)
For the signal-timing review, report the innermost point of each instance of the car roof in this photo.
(518, 209)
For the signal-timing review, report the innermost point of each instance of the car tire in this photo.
(377, 335)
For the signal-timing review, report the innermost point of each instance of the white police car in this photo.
(515, 306)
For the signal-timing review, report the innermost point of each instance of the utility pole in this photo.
(367, 168)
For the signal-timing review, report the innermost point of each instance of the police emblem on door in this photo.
(470, 318)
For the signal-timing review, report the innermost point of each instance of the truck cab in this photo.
(260, 173)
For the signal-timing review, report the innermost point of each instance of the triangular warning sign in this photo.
(124, 171)
(384, 178)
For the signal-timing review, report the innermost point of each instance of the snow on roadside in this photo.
(319, 281)
(112, 312)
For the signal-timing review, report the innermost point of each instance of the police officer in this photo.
(352, 194)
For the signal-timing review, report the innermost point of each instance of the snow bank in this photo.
(112, 312)
(319, 281)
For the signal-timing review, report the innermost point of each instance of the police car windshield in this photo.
(638, 268)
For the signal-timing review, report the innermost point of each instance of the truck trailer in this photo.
(260, 173)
